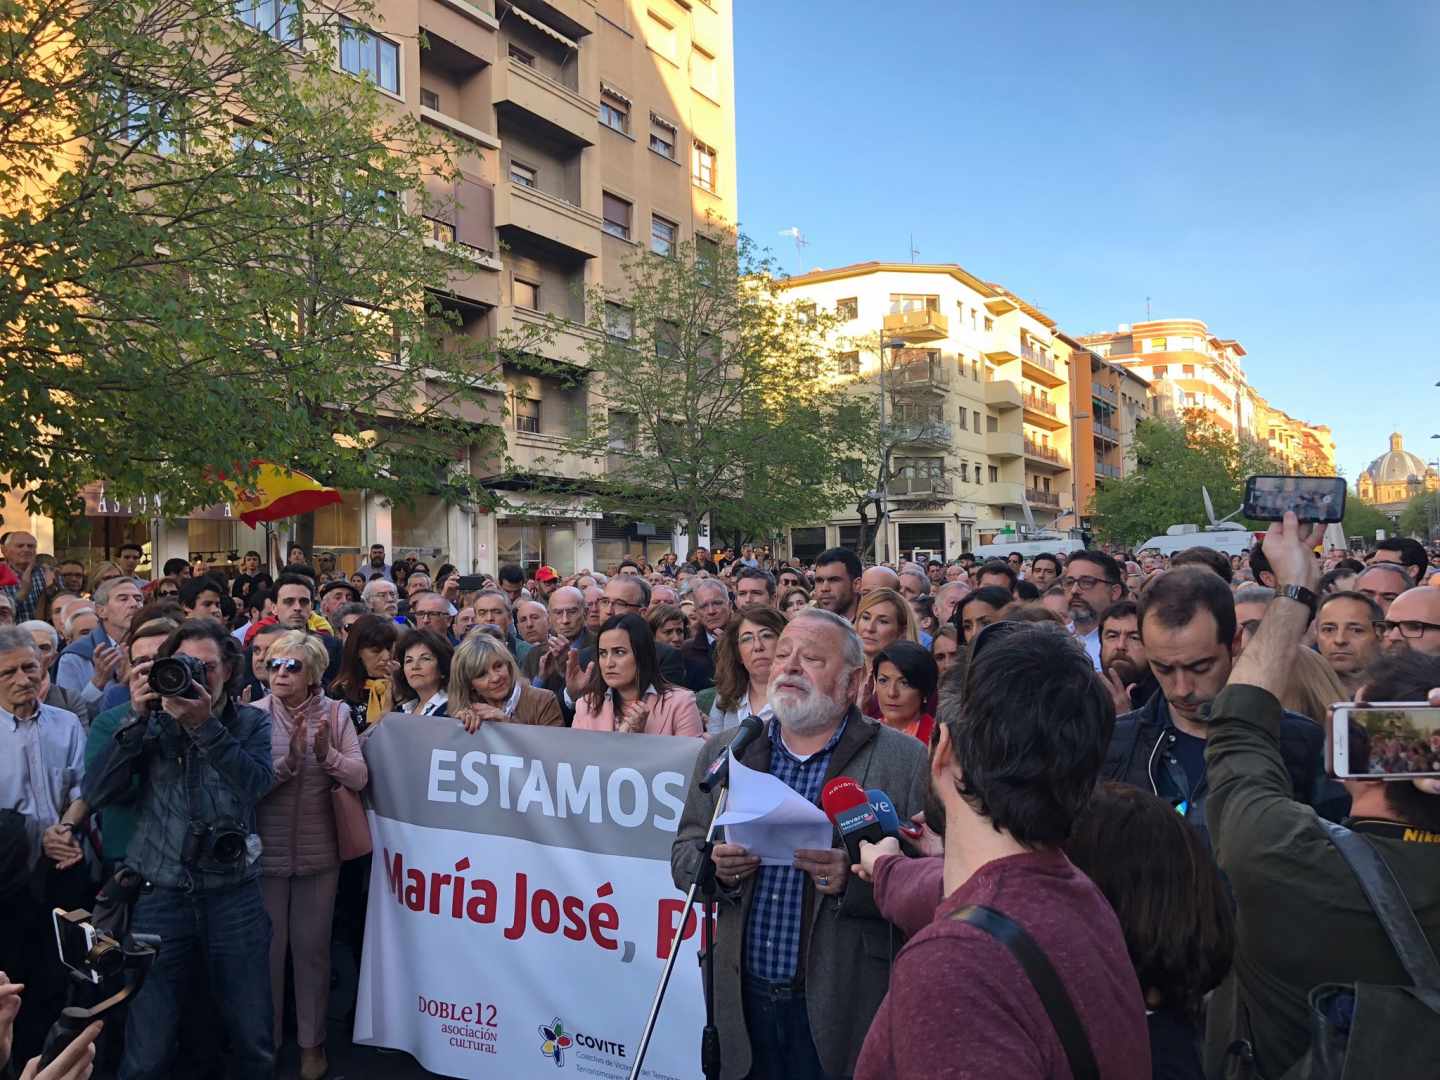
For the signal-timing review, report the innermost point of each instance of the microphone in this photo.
(845, 804)
(719, 771)
(889, 819)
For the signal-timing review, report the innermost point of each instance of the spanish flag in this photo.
(280, 493)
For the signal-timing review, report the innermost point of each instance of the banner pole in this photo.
(676, 943)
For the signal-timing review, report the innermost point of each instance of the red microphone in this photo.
(846, 804)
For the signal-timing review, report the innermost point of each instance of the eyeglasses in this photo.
(419, 615)
(713, 605)
(607, 604)
(285, 663)
(1410, 628)
(165, 594)
(1086, 583)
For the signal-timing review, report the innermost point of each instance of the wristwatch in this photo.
(1300, 595)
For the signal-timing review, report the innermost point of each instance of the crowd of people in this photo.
(1120, 756)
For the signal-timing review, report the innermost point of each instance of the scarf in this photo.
(379, 703)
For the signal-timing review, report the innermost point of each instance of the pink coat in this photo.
(671, 713)
(296, 823)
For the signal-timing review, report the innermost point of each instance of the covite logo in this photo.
(556, 1041)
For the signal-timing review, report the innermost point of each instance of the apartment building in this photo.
(587, 130)
(1298, 446)
(1103, 434)
(975, 386)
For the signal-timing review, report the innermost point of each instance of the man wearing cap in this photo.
(547, 581)
(335, 595)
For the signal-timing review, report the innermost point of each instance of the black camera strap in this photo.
(1043, 978)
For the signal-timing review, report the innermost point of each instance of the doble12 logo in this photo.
(556, 1041)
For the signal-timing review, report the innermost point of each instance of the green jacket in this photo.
(1301, 918)
(117, 821)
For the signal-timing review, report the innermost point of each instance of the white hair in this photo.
(31, 625)
(102, 592)
(851, 651)
(374, 585)
(919, 575)
(73, 614)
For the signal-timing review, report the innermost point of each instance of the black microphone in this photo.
(719, 771)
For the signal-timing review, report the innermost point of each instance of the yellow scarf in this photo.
(379, 705)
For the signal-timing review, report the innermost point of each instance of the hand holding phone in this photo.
(1309, 498)
(1388, 740)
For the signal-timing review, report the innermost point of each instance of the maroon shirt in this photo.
(960, 1006)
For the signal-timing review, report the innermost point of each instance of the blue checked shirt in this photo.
(772, 936)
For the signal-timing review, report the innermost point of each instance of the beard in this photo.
(1081, 611)
(800, 707)
(1126, 668)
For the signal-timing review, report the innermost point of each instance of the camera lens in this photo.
(228, 847)
(170, 677)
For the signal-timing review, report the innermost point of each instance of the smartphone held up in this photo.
(1309, 498)
(1385, 741)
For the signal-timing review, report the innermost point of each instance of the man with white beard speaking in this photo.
(802, 954)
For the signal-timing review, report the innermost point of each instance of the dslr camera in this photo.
(223, 843)
(171, 676)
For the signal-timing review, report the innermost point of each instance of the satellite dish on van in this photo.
(1209, 506)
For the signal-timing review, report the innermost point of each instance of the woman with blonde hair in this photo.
(883, 616)
(486, 684)
(104, 572)
(1313, 687)
(792, 600)
(314, 748)
(667, 623)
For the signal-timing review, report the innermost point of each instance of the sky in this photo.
(1271, 167)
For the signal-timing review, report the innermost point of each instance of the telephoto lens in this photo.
(171, 676)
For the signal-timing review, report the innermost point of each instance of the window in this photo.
(806, 312)
(962, 420)
(520, 56)
(667, 339)
(443, 231)
(619, 321)
(1187, 369)
(849, 308)
(707, 259)
(527, 294)
(900, 303)
(994, 474)
(992, 424)
(849, 363)
(976, 415)
(364, 52)
(277, 18)
(527, 414)
(429, 99)
(662, 137)
(143, 123)
(617, 216)
(989, 323)
(522, 174)
(704, 73)
(702, 167)
(972, 319)
(614, 112)
(852, 471)
(965, 472)
(662, 235)
(1161, 371)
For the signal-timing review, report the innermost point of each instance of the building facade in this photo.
(1103, 434)
(587, 130)
(1395, 477)
(974, 385)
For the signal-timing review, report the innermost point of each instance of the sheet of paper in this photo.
(770, 819)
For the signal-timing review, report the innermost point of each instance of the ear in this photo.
(942, 756)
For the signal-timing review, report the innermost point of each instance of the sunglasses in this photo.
(285, 663)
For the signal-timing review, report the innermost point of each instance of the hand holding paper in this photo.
(771, 820)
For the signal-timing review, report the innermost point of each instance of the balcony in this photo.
(544, 103)
(536, 453)
(925, 325)
(1107, 472)
(1004, 494)
(1003, 394)
(1005, 444)
(1048, 499)
(922, 432)
(918, 487)
(1038, 367)
(557, 224)
(1104, 393)
(1045, 456)
(919, 371)
(1106, 433)
(551, 336)
(466, 27)
(1042, 412)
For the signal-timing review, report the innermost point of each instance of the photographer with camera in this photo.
(203, 762)
(1305, 922)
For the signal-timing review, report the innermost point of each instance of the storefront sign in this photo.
(521, 904)
(98, 503)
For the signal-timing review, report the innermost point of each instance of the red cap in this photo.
(255, 628)
(546, 573)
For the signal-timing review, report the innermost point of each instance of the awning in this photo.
(538, 25)
(610, 91)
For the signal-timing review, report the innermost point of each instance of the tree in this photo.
(214, 252)
(1363, 519)
(1177, 459)
(1421, 516)
(714, 397)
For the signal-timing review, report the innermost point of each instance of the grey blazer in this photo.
(846, 947)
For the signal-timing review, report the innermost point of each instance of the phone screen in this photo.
(1391, 740)
(1310, 498)
(74, 941)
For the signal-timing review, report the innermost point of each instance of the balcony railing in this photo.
(930, 431)
(925, 324)
(904, 486)
(1107, 472)
(1040, 404)
(1045, 453)
(1042, 498)
(922, 371)
(1104, 393)
(1040, 360)
(1105, 431)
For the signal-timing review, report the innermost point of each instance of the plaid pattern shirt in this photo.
(28, 606)
(772, 935)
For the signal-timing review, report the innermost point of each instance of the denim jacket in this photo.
(217, 774)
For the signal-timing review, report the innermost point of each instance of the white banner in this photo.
(521, 904)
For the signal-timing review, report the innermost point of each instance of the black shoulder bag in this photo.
(1047, 984)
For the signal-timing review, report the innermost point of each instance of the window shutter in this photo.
(475, 208)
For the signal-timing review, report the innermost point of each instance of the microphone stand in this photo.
(706, 887)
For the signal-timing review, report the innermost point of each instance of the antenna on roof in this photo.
(1147, 309)
(913, 249)
(800, 243)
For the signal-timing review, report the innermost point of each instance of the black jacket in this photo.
(699, 657)
(1140, 755)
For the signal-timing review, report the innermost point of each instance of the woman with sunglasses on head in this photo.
(314, 748)
(422, 671)
(625, 690)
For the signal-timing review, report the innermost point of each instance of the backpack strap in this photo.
(1396, 916)
(1047, 984)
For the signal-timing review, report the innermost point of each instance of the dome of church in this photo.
(1397, 465)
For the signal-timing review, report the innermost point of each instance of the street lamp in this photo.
(883, 516)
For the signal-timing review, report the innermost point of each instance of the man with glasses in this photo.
(1413, 621)
(492, 608)
(712, 605)
(1383, 582)
(545, 666)
(1347, 632)
(71, 575)
(382, 597)
(1091, 584)
(624, 594)
(431, 611)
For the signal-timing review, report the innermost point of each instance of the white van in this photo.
(1028, 548)
(1227, 539)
